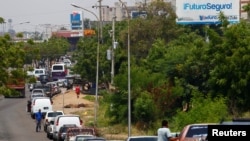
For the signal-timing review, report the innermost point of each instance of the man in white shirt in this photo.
(164, 133)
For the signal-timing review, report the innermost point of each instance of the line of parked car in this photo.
(57, 125)
(50, 88)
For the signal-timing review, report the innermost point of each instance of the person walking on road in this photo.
(164, 133)
(77, 90)
(38, 117)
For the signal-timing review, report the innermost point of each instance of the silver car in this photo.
(142, 138)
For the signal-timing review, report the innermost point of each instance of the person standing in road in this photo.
(164, 133)
(77, 89)
(38, 117)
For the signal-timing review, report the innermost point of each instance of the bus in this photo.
(58, 71)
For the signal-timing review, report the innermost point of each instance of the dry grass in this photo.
(85, 107)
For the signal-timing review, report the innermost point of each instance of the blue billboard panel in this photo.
(206, 11)
(76, 20)
(137, 14)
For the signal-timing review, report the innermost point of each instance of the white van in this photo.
(38, 72)
(43, 103)
(61, 120)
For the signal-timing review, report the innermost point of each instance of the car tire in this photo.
(50, 137)
(45, 128)
(33, 116)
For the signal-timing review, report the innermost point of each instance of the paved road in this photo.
(15, 123)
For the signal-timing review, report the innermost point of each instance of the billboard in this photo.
(136, 14)
(76, 20)
(206, 11)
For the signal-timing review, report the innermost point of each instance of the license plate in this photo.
(45, 108)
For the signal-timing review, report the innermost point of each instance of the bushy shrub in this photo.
(202, 110)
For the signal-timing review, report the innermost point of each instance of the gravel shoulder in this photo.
(86, 110)
(69, 103)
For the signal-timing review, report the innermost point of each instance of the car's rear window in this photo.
(54, 114)
(37, 95)
(197, 131)
(37, 91)
(57, 67)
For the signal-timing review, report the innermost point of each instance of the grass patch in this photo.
(89, 98)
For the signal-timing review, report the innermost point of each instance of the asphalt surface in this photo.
(15, 123)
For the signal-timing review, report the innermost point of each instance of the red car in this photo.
(194, 132)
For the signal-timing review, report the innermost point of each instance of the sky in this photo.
(36, 15)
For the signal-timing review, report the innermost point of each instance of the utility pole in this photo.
(112, 50)
(100, 17)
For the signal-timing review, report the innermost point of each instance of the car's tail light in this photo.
(80, 122)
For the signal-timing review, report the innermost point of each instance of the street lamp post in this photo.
(112, 50)
(97, 59)
(129, 85)
(25, 36)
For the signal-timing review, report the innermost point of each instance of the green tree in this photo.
(145, 111)
(230, 75)
(2, 20)
(12, 61)
(204, 110)
(247, 9)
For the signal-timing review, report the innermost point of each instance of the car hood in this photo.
(193, 138)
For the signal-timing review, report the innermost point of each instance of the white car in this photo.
(35, 95)
(49, 116)
(49, 129)
(81, 137)
(142, 138)
(36, 90)
(38, 72)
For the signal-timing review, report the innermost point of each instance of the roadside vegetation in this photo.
(183, 73)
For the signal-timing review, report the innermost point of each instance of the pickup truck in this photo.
(73, 133)
(17, 89)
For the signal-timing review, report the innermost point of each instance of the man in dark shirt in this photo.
(38, 117)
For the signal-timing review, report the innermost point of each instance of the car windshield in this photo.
(197, 131)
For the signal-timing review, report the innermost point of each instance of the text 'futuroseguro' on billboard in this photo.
(208, 6)
(206, 11)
